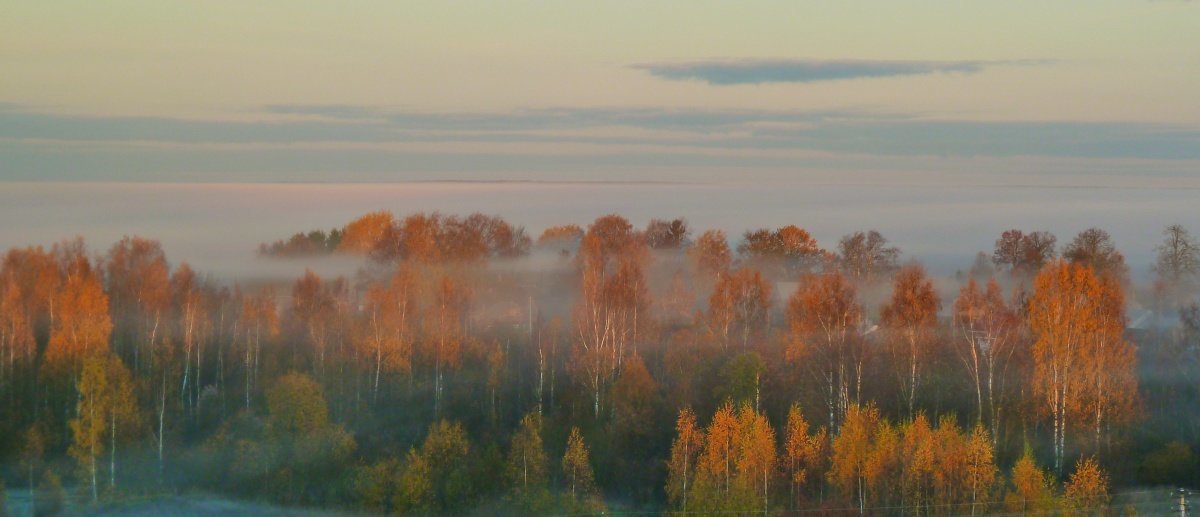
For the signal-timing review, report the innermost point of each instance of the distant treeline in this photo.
(625, 369)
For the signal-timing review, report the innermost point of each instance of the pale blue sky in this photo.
(227, 90)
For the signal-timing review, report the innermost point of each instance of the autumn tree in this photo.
(851, 450)
(106, 402)
(756, 454)
(919, 453)
(190, 324)
(737, 464)
(824, 326)
(259, 322)
(445, 332)
(635, 398)
(1178, 261)
(1022, 254)
(804, 456)
(866, 256)
(910, 317)
(1032, 489)
(612, 302)
(1094, 248)
(444, 455)
(1087, 490)
(563, 240)
(986, 343)
(711, 255)
(981, 469)
(362, 235)
(296, 405)
(790, 250)
(738, 307)
(577, 468)
(685, 450)
(17, 342)
(387, 326)
(668, 235)
(320, 311)
(136, 276)
(81, 327)
(1082, 364)
(527, 463)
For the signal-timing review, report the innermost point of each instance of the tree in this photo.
(667, 235)
(1178, 261)
(824, 324)
(866, 256)
(1087, 490)
(611, 304)
(882, 471)
(684, 452)
(910, 317)
(1022, 254)
(363, 234)
(804, 455)
(443, 459)
(258, 321)
(715, 467)
(635, 401)
(739, 305)
(387, 326)
(919, 452)
(741, 379)
(986, 344)
(1094, 248)
(577, 469)
(320, 311)
(81, 323)
(711, 254)
(189, 314)
(851, 451)
(106, 400)
(981, 469)
(1083, 367)
(790, 250)
(756, 454)
(296, 405)
(1032, 488)
(445, 332)
(527, 459)
(136, 274)
(562, 239)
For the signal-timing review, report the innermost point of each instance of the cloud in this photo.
(758, 71)
(374, 140)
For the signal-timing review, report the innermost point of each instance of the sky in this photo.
(1001, 92)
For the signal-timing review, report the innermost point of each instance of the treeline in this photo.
(420, 237)
(639, 369)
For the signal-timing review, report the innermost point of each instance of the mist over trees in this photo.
(469, 369)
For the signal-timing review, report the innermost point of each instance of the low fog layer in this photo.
(217, 227)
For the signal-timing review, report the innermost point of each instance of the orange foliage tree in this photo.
(612, 299)
(910, 317)
(987, 341)
(1083, 367)
(365, 233)
(710, 255)
(387, 326)
(689, 439)
(136, 273)
(824, 335)
(738, 306)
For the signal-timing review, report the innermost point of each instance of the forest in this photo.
(469, 368)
